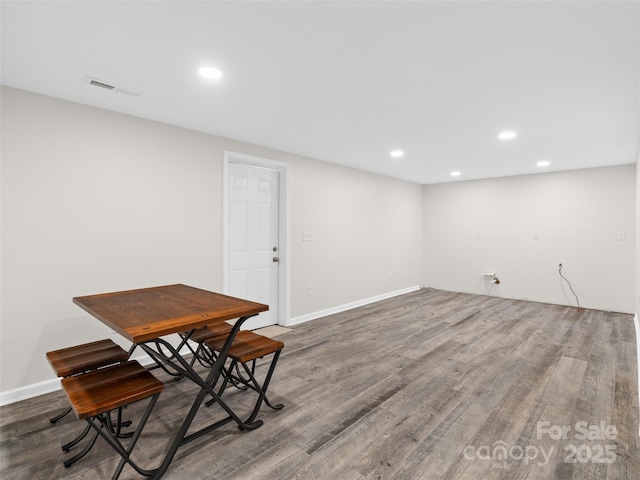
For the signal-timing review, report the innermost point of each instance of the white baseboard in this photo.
(348, 306)
(29, 391)
(53, 385)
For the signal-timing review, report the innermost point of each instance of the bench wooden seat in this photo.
(86, 357)
(201, 354)
(109, 388)
(200, 335)
(247, 346)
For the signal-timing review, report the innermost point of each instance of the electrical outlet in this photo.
(309, 291)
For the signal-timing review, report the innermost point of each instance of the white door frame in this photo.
(284, 284)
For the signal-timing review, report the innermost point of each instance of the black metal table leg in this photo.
(207, 388)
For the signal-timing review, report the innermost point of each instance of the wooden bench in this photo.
(94, 395)
(81, 359)
(248, 347)
(88, 356)
(200, 335)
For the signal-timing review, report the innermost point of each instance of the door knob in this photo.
(276, 259)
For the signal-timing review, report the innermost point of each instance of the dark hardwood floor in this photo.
(429, 385)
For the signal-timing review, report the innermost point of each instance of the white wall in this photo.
(637, 259)
(356, 226)
(489, 225)
(96, 201)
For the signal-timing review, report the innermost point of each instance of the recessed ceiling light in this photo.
(507, 135)
(543, 163)
(210, 73)
(455, 173)
(397, 153)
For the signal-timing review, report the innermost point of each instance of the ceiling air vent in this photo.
(101, 84)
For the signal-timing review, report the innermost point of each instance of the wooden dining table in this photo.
(146, 316)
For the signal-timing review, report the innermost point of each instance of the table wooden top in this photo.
(147, 313)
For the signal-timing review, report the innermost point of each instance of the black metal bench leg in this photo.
(70, 461)
(116, 430)
(264, 386)
(239, 381)
(60, 415)
(67, 446)
(99, 421)
(262, 391)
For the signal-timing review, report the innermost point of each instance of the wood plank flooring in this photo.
(428, 385)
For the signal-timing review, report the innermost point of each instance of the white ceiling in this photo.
(347, 82)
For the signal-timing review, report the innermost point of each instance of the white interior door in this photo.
(253, 238)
